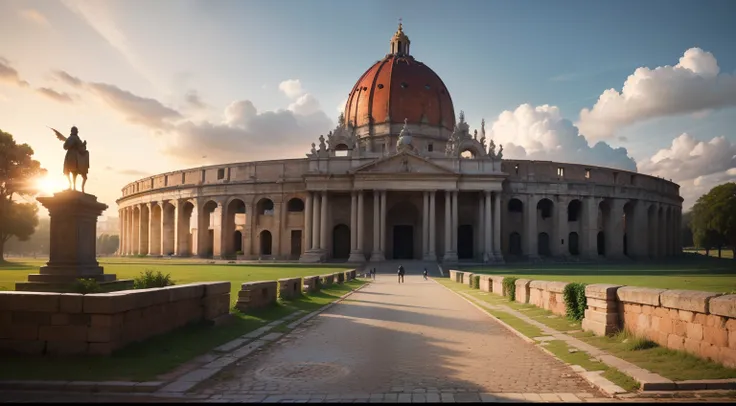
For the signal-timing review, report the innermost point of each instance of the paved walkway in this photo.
(398, 341)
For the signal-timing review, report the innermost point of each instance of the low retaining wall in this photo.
(700, 323)
(289, 288)
(98, 324)
(339, 277)
(254, 295)
(327, 280)
(311, 284)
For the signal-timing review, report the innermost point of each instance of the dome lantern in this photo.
(400, 42)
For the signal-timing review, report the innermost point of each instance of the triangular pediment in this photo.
(404, 162)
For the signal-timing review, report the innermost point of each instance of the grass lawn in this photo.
(710, 275)
(146, 360)
(182, 271)
(675, 365)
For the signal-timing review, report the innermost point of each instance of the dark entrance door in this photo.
(341, 242)
(296, 243)
(543, 245)
(465, 241)
(403, 242)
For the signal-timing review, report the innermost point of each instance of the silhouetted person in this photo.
(373, 273)
(401, 273)
(425, 273)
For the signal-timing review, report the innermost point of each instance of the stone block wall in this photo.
(311, 284)
(98, 324)
(339, 277)
(468, 278)
(486, 283)
(522, 290)
(548, 295)
(601, 316)
(700, 323)
(253, 295)
(453, 275)
(498, 285)
(290, 288)
(327, 280)
(352, 274)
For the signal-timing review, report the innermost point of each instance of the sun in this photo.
(50, 184)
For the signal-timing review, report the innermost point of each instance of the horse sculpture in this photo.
(76, 161)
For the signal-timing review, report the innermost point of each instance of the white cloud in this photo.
(691, 86)
(541, 133)
(341, 106)
(292, 88)
(9, 74)
(696, 165)
(34, 16)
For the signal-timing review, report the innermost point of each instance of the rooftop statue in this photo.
(76, 160)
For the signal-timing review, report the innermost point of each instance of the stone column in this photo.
(488, 228)
(560, 248)
(480, 229)
(180, 241)
(356, 227)
(615, 232)
(120, 234)
(361, 222)
(219, 239)
(432, 227)
(532, 250)
(149, 227)
(248, 228)
(450, 254)
(678, 233)
(353, 221)
(168, 232)
(637, 231)
(203, 229)
(425, 225)
(376, 254)
(323, 223)
(454, 220)
(316, 221)
(308, 222)
(383, 224)
(654, 233)
(589, 228)
(498, 255)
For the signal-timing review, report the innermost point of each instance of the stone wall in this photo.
(98, 324)
(700, 323)
(548, 295)
(311, 284)
(327, 280)
(339, 277)
(254, 295)
(289, 288)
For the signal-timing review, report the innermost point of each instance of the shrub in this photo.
(86, 285)
(148, 279)
(575, 301)
(509, 287)
(476, 282)
(239, 253)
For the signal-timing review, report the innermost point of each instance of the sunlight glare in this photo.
(50, 184)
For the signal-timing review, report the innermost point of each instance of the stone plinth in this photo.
(339, 277)
(253, 295)
(72, 246)
(311, 284)
(327, 280)
(602, 313)
(290, 288)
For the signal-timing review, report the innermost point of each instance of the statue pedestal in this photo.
(72, 249)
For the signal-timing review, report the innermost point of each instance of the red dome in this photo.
(399, 87)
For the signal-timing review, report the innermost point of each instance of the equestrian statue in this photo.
(76, 161)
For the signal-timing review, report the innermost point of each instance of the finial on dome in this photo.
(400, 42)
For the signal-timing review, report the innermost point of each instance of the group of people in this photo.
(402, 271)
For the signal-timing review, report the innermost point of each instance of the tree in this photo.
(686, 232)
(107, 244)
(18, 171)
(714, 216)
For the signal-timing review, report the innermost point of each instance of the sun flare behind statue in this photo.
(49, 184)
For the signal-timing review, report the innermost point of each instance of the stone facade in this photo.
(429, 189)
(254, 295)
(99, 324)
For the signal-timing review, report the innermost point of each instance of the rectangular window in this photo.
(430, 147)
(166, 180)
(341, 152)
(221, 174)
(633, 177)
(183, 178)
(561, 172)
(615, 177)
(587, 173)
(516, 169)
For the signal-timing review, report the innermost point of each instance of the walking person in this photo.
(401, 274)
(373, 273)
(425, 273)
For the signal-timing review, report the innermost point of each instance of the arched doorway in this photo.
(601, 243)
(237, 241)
(515, 244)
(543, 245)
(403, 220)
(573, 241)
(341, 242)
(265, 242)
(465, 241)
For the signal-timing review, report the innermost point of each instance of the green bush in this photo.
(476, 282)
(509, 287)
(148, 279)
(86, 285)
(575, 301)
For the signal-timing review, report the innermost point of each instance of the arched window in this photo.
(265, 207)
(573, 210)
(295, 205)
(516, 206)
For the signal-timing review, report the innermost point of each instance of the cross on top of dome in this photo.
(400, 42)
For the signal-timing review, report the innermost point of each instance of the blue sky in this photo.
(138, 60)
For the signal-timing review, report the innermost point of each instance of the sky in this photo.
(172, 84)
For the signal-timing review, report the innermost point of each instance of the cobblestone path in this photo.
(415, 338)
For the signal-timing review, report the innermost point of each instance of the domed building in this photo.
(401, 178)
